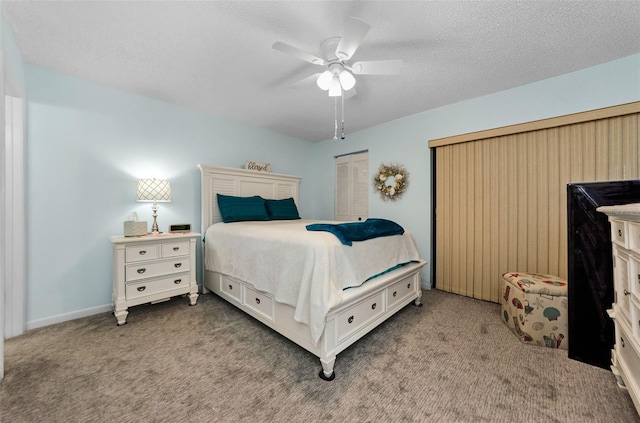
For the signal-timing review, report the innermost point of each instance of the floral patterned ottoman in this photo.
(534, 306)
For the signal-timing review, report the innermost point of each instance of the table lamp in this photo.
(155, 190)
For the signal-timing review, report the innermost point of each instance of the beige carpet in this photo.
(452, 360)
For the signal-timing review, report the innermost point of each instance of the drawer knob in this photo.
(373, 306)
(622, 342)
(395, 293)
(350, 319)
(626, 292)
(141, 288)
(142, 252)
(230, 287)
(177, 281)
(176, 248)
(142, 270)
(620, 232)
(177, 265)
(408, 286)
(257, 300)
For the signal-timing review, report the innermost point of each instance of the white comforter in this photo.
(306, 270)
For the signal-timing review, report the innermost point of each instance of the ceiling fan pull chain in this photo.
(342, 97)
(335, 114)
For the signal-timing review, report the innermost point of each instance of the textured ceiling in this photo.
(216, 56)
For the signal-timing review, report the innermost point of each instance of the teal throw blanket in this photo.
(359, 231)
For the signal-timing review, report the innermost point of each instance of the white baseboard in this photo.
(33, 324)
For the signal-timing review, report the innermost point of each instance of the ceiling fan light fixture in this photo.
(324, 80)
(347, 80)
(335, 90)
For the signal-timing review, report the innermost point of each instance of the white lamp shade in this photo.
(335, 90)
(158, 190)
(324, 80)
(347, 80)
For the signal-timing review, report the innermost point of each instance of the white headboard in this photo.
(241, 183)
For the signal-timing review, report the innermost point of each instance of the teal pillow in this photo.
(239, 209)
(282, 209)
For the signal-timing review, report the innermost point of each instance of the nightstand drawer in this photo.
(175, 249)
(619, 233)
(634, 275)
(621, 282)
(628, 357)
(146, 288)
(135, 253)
(139, 271)
(634, 237)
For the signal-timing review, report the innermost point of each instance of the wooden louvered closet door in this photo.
(500, 195)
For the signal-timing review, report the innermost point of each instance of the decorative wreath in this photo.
(391, 181)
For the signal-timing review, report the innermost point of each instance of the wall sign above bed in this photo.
(391, 181)
(257, 166)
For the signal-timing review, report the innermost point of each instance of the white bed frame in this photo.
(362, 308)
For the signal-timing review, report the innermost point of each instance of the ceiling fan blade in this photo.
(354, 33)
(304, 82)
(300, 54)
(377, 67)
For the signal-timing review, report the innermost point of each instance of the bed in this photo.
(341, 314)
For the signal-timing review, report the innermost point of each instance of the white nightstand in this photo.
(151, 269)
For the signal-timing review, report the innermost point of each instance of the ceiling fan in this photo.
(334, 55)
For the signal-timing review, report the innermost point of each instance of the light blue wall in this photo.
(87, 146)
(405, 141)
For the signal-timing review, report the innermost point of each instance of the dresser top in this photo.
(623, 211)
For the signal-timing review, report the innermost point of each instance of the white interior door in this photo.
(360, 186)
(343, 189)
(352, 187)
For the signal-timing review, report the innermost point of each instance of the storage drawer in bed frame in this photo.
(353, 319)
